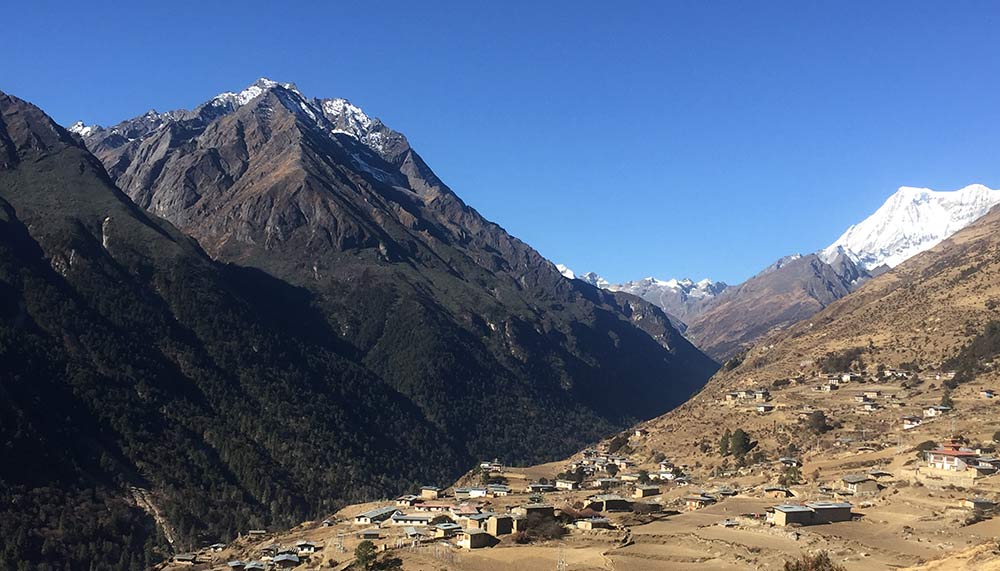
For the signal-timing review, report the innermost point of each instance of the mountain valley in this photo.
(843, 411)
(340, 305)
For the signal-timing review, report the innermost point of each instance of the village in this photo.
(625, 499)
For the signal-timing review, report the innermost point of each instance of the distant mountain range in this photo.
(683, 300)
(721, 319)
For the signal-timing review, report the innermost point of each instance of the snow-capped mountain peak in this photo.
(589, 277)
(681, 298)
(911, 221)
(250, 93)
(595, 280)
(566, 272)
(82, 129)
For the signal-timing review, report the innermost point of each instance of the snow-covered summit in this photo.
(589, 277)
(681, 298)
(566, 272)
(686, 287)
(595, 280)
(911, 221)
(82, 129)
(250, 93)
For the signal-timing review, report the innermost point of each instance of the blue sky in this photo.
(659, 138)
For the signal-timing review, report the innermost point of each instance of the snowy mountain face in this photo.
(681, 299)
(684, 299)
(911, 221)
(596, 281)
(566, 272)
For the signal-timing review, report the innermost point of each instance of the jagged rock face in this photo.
(315, 192)
(792, 289)
(282, 172)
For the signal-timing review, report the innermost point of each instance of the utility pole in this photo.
(561, 564)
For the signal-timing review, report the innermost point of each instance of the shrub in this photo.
(791, 475)
(818, 562)
(839, 361)
(364, 555)
(538, 527)
(617, 443)
(817, 422)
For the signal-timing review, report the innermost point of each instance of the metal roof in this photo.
(789, 508)
(828, 505)
(378, 512)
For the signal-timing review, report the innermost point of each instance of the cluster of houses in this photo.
(273, 556)
(431, 517)
(929, 413)
(594, 463)
(758, 398)
(867, 400)
(748, 395)
(952, 456)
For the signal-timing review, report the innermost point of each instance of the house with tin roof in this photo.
(376, 515)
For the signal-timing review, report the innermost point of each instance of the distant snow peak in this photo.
(687, 287)
(250, 93)
(83, 130)
(911, 221)
(566, 272)
(594, 280)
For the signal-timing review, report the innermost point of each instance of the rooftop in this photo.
(828, 505)
(377, 512)
(790, 508)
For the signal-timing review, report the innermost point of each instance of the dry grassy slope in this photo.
(775, 298)
(981, 558)
(924, 311)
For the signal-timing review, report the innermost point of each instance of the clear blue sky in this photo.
(665, 138)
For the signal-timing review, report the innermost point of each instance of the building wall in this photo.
(833, 514)
(500, 526)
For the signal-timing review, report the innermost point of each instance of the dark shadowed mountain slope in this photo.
(130, 359)
(455, 313)
(792, 289)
